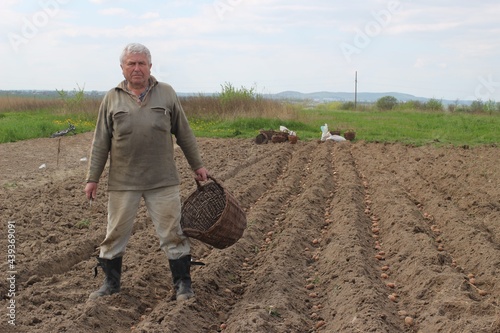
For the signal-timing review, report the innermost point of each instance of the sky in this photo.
(439, 49)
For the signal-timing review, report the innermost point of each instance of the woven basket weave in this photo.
(212, 215)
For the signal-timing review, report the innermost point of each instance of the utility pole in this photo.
(355, 89)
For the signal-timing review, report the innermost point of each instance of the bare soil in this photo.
(341, 237)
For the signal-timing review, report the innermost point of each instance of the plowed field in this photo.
(342, 237)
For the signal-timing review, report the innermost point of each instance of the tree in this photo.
(386, 103)
(434, 105)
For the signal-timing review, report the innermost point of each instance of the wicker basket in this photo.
(212, 215)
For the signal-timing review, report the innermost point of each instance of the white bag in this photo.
(326, 135)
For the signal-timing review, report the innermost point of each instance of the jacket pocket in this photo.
(160, 118)
(122, 123)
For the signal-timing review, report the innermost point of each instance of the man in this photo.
(135, 126)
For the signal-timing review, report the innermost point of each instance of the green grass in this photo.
(412, 127)
(83, 224)
(405, 126)
(16, 126)
(409, 127)
(244, 127)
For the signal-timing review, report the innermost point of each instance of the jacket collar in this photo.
(151, 82)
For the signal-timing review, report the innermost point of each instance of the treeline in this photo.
(387, 103)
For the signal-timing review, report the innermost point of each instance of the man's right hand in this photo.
(91, 190)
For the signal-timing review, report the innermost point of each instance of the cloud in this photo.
(149, 15)
(423, 27)
(429, 62)
(279, 44)
(115, 12)
(419, 63)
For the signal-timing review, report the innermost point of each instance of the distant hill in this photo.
(319, 97)
(363, 97)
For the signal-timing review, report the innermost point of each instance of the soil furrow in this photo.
(329, 226)
(422, 248)
(53, 230)
(457, 227)
(350, 272)
(289, 234)
(229, 269)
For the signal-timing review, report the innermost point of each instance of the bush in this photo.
(347, 106)
(233, 103)
(477, 106)
(411, 105)
(386, 103)
(434, 105)
(231, 94)
(73, 102)
(491, 106)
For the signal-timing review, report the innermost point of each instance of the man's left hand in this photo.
(201, 174)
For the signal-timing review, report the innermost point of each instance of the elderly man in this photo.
(134, 128)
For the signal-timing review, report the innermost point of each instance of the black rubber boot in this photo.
(113, 270)
(180, 269)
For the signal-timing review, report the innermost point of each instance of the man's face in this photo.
(136, 70)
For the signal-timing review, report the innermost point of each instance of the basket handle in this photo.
(209, 177)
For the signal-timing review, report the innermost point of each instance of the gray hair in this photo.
(135, 48)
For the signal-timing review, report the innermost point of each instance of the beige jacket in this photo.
(138, 139)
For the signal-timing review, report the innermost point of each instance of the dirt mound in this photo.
(341, 237)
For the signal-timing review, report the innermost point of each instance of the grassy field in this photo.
(412, 127)
(16, 126)
(243, 115)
